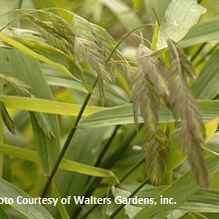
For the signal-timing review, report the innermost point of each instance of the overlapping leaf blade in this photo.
(124, 115)
(6, 118)
(31, 211)
(29, 72)
(179, 18)
(66, 164)
(203, 32)
(181, 190)
(206, 87)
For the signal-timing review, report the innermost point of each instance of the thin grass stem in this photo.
(198, 51)
(123, 38)
(132, 169)
(113, 215)
(67, 143)
(207, 54)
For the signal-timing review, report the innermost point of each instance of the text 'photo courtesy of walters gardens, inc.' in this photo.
(92, 200)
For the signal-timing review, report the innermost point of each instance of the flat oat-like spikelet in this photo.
(184, 107)
(155, 157)
(149, 86)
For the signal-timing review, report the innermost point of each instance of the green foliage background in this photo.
(74, 83)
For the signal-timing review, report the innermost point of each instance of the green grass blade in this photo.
(181, 190)
(203, 32)
(86, 169)
(3, 214)
(33, 54)
(6, 118)
(67, 165)
(46, 106)
(28, 70)
(52, 53)
(101, 116)
(61, 207)
(207, 85)
(30, 211)
(18, 152)
(124, 115)
(159, 7)
(179, 18)
(203, 201)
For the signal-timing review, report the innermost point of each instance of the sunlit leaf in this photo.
(179, 18)
(211, 128)
(6, 118)
(203, 32)
(30, 52)
(124, 115)
(46, 106)
(68, 165)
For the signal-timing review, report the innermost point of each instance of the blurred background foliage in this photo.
(117, 147)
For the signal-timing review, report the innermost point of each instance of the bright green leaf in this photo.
(31, 211)
(67, 165)
(28, 70)
(159, 7)
(124, 115)
(211, 128)
(203, 32)
(46, 106)
(207, 84)
(35, 55)
(179, 18)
